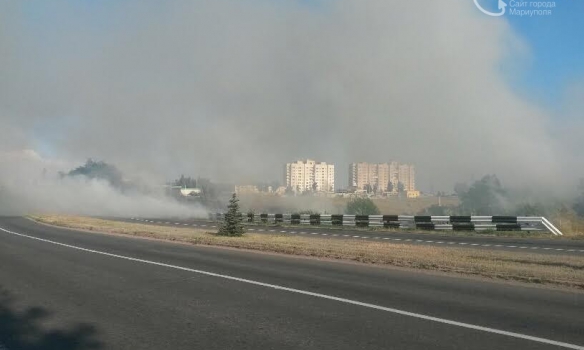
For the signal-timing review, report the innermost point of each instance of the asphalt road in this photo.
(62, 289)
(540, 245)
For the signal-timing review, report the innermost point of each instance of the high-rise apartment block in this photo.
(308, 175)
(407, 176)
(382, 177)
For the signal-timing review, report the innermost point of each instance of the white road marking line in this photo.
(313, 294)
(559, 249)
(451, 242)
(475, 244)
(185, 224)
(522, 247)
(336, 235)
(486, 245)
(176, 223)
(355, 236)
(283, 231)
(313, 233)
(345, 235)
(429, 241)
(386, 238)
(324, 234)
(293, 232)
(213, 226)
(547, 248)
(439, 242)
(498, 245)
(511, 246)
(462, 243)
(397, 239)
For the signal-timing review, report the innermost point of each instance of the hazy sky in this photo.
(234, 89)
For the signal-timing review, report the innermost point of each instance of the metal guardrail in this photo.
(452, 223)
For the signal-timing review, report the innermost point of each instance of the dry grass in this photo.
(570, 224)
(392, 205)
(558, 270)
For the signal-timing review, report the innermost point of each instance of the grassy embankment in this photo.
(557, 270)
(336, 205)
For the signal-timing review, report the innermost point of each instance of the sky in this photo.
(232, 90)
(557, 53)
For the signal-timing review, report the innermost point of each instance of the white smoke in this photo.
(233, 89)
(30, 184)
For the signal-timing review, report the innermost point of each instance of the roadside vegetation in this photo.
(555, 270)
(232, 224)
(362, 206)
(488, 196)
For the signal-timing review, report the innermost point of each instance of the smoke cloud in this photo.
(232, 90)
(30, 185)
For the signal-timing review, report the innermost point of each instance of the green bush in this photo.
(362, 206)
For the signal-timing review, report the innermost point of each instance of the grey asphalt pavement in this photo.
(63, 289)
(525, 244)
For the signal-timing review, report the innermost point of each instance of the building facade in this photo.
(309, 175)
(407, 176)
(382, 177)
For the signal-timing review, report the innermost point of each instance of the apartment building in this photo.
(309, 175)
(407, 177)
(379, 176)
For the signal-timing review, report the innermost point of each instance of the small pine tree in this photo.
(233, 221)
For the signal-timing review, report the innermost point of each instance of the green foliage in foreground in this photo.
(362, 206)
(233, 222)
